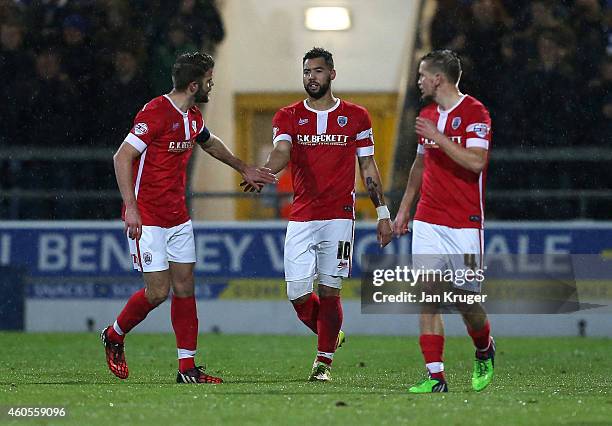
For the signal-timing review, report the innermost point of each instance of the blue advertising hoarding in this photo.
(235, 250)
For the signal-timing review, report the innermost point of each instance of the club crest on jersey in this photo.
(456, 123)
(342, 120)
(302, 121)
(194, 125)
(141, 129)
(175, 126)
(147, 257)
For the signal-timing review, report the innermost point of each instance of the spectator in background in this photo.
(47, 110)
(117, 24)
(597, 106)
(509, 112)
(47, 119)
(551, 107)
(78, 57)
(202, 22)
(115, 106)
(176, 43)
(448, 25)
(542, 15)
(46, 18)
(588, 24)
(483, 47)
(16, 67)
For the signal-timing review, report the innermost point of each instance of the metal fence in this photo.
(31, 186)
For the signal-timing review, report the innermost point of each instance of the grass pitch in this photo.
(538, 381)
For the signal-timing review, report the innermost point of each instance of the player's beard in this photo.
(200, 96)
(323, 89)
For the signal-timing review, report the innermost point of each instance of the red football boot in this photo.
(115, 356)
(197, 375)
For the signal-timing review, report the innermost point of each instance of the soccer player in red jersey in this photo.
(320, 137)
(449, 173)
(150, 166)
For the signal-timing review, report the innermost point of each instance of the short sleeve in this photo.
(478, 129)
(147, 127)
(365, 137)
(282, 128)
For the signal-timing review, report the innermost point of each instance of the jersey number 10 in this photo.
(344, 250)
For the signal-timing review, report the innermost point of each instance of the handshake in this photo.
(255, 178)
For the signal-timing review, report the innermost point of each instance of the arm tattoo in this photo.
(375, 195)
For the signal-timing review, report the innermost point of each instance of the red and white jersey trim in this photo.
(283, 137)
(481, 200)
(185, 118)
(322, 116)
(448, 111)
(139, 175)
(477, 143)
(365, 151)
(136, 142)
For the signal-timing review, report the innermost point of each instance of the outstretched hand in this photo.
(256, 177)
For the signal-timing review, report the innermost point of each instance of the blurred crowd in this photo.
(543, 67)
(74, 72)
(544, 70)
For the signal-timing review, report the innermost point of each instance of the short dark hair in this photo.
(190, 67)
(319, 52)
(445, 61)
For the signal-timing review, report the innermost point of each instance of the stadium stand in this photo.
(66, 65)
(73, 75)
(544, 69)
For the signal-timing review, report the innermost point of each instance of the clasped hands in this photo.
(255, 178)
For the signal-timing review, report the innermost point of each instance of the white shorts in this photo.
(319, 247)
(158, 246)
(442, 248)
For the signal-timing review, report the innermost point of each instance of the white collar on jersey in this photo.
(441, 111)
(326, 111)
(175, 107)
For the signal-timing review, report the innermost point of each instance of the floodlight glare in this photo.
(327, 18)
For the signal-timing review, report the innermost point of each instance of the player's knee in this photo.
(183, 288)
(329, 285)
(157, 296)
(299, 290)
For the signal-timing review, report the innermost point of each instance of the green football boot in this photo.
(483, 368)
(341, 339)
(321, 372)
(429, 385)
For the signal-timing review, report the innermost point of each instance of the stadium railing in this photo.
(581, 203)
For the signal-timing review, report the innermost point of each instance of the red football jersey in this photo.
(450, 194)
(165, 136)
(324, 146)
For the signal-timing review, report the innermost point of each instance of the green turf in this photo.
(538, 381)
